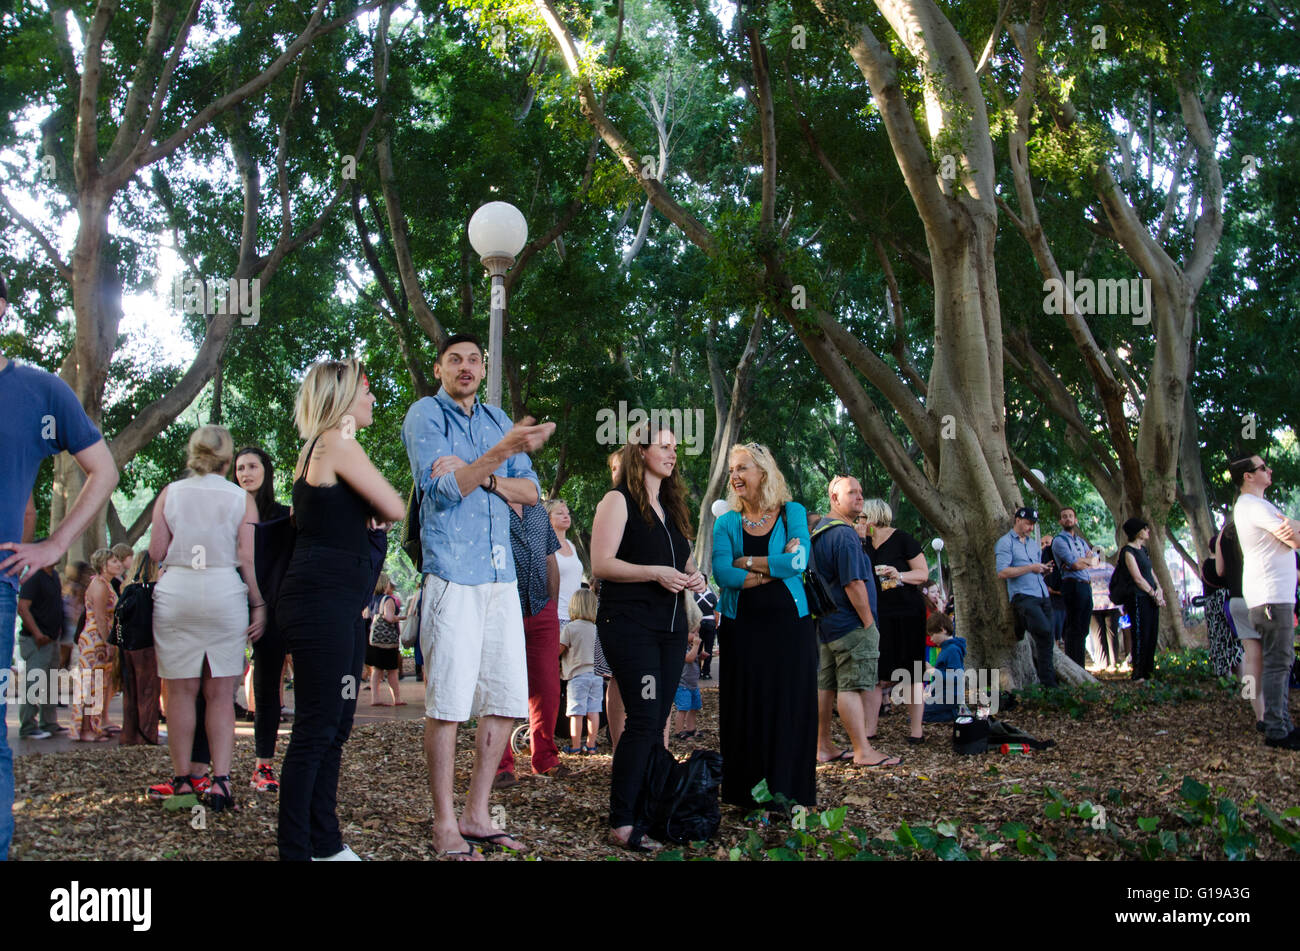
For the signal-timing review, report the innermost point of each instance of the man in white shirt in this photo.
(1268, 542)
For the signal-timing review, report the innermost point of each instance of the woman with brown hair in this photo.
(640, 549)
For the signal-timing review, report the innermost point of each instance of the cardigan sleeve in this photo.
(785, 564)
(725, 573)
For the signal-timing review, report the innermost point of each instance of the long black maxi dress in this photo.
(767, 714)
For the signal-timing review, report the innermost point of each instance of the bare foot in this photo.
(453, 848)
(833, 756)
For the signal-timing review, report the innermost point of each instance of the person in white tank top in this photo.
(203, 535)
(567, 558)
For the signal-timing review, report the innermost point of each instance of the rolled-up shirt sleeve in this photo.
(519, 466)
(1002, 554)
(422, 434)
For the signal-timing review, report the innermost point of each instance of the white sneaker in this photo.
(347, 855)
(38, 735)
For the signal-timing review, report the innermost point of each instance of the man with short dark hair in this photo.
(1019, 564)
(1074, 557)
(40, 605)
(41, 417)
(469, 462)
(848, 639)
(1268, 542)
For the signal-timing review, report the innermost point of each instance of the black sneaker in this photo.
(1289, 742)
(1259, 726)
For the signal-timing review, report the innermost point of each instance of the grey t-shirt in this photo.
(690, 676)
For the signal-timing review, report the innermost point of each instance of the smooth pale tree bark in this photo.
(974, 487)
(1135, 476)
(92, 182)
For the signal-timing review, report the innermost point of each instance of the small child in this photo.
(949, 684)
(578, 667)
(688, 700)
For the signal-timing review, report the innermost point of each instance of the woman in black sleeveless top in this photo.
(336, 496)
(640, 549)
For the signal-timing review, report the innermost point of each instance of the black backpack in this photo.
(133, 617)
(679, 801)
(820, 601)
(1121, 587)
(979, 735)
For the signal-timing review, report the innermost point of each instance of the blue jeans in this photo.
(8, 611)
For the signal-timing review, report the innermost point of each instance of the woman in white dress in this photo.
(203, 535)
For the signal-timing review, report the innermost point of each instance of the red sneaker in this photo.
(167, 787)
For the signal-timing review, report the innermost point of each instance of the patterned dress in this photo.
(94, 666)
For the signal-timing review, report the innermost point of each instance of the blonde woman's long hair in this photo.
(773, 492)
(327, 392)
(142, 563)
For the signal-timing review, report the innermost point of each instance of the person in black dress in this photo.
(337, 495)
(767, 703)
(255, 474)
(640, 551)
(901, 569)
(1144, 600)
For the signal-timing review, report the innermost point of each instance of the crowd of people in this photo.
(505, 623)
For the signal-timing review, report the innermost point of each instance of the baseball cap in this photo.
(1031, 514)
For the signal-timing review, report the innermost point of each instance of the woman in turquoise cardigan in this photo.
(767, 714)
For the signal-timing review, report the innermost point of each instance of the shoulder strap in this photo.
(827, 524)
(307, 459)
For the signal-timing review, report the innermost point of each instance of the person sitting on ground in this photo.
(947, 691)
(578, 667)
(687, 700)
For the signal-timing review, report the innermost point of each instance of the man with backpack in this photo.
(469, 462)
(849, 642)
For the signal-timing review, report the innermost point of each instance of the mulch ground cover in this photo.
(1113, 787)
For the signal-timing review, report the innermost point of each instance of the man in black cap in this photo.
(1019, 564)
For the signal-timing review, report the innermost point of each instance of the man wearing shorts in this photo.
(849, 642)
(469, 462)
(1268, 582)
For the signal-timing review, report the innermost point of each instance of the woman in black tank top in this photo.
(324, 590)
(640, 549)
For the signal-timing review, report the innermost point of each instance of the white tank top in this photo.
(204, 514)
(570, 578)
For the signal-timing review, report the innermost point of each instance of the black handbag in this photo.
(133, 617)
(815, 589)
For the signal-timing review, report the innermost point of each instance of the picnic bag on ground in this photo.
(679, 801)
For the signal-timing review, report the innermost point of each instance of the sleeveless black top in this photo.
(647, 543)
(330, 516)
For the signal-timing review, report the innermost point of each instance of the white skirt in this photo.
(198, 614)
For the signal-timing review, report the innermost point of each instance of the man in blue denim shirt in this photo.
(1019, 564)
(468, 462)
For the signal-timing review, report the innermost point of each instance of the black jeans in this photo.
(1035, 615)
(1144, 616)
(319, 612)
(268, 664)
(1078, 614)
(647, 665)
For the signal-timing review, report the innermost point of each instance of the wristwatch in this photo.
(749, 562)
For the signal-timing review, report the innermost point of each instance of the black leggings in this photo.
(708, 635)
(268, 664)
(647, 665)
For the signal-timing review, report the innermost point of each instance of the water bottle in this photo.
(1015, 748)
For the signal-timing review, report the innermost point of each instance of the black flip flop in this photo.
(491, 842)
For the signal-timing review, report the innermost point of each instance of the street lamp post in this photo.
(498, 232)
